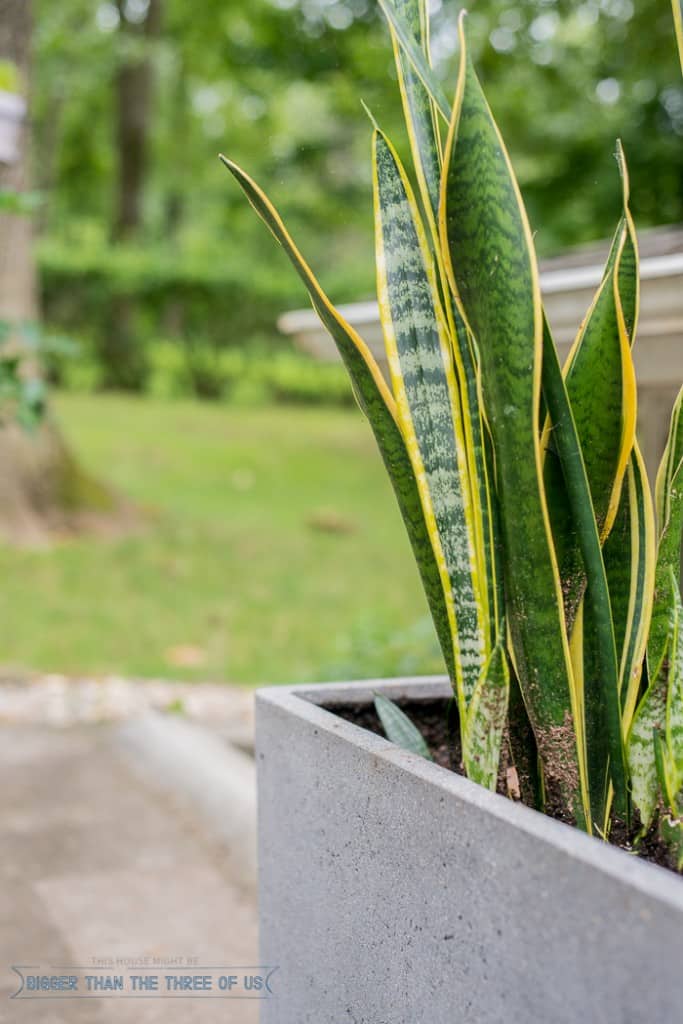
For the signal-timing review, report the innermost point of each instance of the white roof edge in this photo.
(552, 282)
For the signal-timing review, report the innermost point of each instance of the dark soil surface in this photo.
(443, 740)
(430, 716)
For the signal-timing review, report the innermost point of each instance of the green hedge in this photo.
(119, 298)
(215, 313)
(252, 374)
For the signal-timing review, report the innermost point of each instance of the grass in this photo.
(273, 552)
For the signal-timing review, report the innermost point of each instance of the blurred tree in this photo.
(41, 486)
(17, 271)
(566, 80)
(138, 20)
(277, 83)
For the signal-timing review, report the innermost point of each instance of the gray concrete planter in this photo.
(393, 891)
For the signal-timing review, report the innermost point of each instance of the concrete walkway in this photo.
(63, 700)
(99, 862)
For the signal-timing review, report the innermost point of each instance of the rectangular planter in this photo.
(393, 891)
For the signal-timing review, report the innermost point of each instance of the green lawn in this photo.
(273, 551)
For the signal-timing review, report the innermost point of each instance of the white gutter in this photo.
(567, 294)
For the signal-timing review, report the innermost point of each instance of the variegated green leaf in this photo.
(599, 690)
(672, 827)
(378, 405)
(641, 751)
(492, 268)
(519, 755)
(674, 698)
(601, 710)
(651, 718)
(601, 385)
(678, 25)
(422, 96)
(628, 272)
(486, 719)
(428, 405)
(671, 459)
(620, 558)
(399, 728)
(416, 56)
(667, 781)
(418, 107)
(600, 380)
(668, 561)
(630, 555)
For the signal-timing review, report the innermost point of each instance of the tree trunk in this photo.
(124, 365)
(134, 84)
(42, 488)
(17, 270)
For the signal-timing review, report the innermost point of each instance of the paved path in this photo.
(95, 862)
(62, 700)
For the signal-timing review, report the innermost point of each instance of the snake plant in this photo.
(521, 483)
(678, 26)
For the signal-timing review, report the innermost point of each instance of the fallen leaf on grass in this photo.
(185, 656)
(329, 521)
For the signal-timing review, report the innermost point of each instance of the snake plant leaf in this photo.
(674, 699)
(667, 780)
(422, 98)
(672, 827)
(418, 107)
(491, 264)
(605, 752)
(395, 15)
(628, 274)
(673, 453)
(426, 150)
(519, 755)
(378, 405)
(628, 277)
(399, 728)
(630, 556)
(600, 379)
(678, 25)
(668, 561)
(602, 392)
(651, 715)
(649, 718)
(600, 383)
(486, 719)
(428, 407)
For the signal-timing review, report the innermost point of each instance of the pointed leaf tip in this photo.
(373, 119)
(623, 171)
(398, 727)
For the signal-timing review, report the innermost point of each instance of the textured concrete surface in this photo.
(64, 701)
(97, 862)
(395, 892)
(205, 774)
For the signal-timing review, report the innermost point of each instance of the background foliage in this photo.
(275, 83)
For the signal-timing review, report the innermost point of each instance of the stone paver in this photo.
(96, 863)
(62, 701)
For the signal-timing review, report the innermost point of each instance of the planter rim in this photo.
(306, 701)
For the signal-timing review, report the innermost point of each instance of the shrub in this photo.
(251, 374)
(126, 296)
